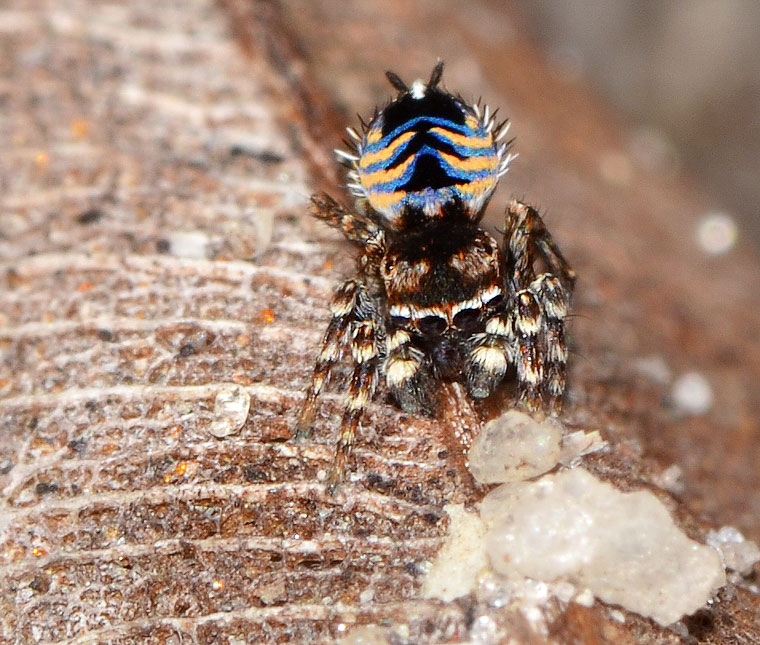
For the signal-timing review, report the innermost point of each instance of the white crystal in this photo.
(514, 447)
(738, 553)
(230, 411)
(456, 567)
(577, 444)
(623, 546)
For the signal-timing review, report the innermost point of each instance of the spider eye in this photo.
(390, 265)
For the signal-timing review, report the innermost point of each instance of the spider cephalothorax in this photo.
(436, 298)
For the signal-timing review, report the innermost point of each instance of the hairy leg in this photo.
(343, 307)
(364, 351)
(489, 356)
(406, 375)
(553, 300)
(540, 307)
(356, 227)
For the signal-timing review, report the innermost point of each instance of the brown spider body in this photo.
(436, 297)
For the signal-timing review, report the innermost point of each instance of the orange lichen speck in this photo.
(85, 286)
(217, 585)
(38, 552)
(179, 471)
(267, 315)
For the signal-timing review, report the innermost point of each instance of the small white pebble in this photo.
(366, 596)
(681, 629)
(564, 590)
(671, 479)
(231, 408)
(692, 394)
(484, 631)
(577, 444)
(617, 615)
(514, 447)
(717, 233)
(535, 616)
(737, 553)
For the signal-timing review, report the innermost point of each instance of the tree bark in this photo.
(164, 293)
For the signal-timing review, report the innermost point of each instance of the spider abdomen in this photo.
(425, 150)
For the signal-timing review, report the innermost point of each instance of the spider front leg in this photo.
(364, 351)
(343, 307)
(540, 306)
(408, 380)
(489, 356)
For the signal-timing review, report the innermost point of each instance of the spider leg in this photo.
(541, 305)
(356, 227)
(364, 351)
(529, 352)
(489, 356)
(527, 238)
(406, 377)
(343, 307)
(554, 302)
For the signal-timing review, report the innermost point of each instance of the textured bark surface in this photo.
(157, 262)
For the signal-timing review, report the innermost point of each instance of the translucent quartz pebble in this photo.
(739, 554)
(623, 546)
(231, 408)
(514, 447)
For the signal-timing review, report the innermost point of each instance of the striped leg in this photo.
(356, 227)
(407, 380)
(553, 300)
(541, 306)
(489, 356)
(363, 382)
(529, 352)
(343, 311)
(526, 238)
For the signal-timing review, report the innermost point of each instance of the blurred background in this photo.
(688, 76)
